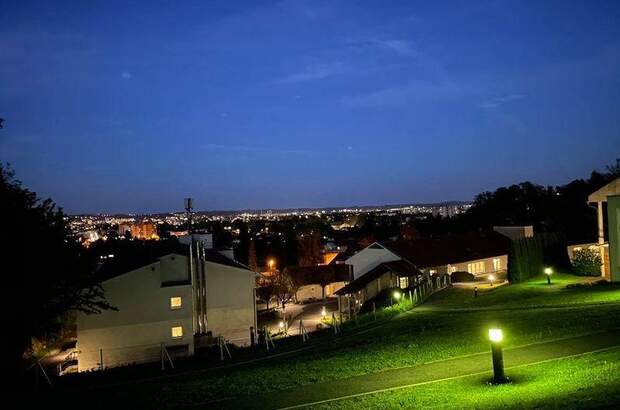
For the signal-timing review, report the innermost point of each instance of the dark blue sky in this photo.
(129, 106)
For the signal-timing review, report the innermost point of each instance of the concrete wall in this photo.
(369, 258)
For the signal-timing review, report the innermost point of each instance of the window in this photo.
(176, 302)
(403, 282)
(497, 264)
(451, 269)
(176, 332)
(432, 271)
(476, 267)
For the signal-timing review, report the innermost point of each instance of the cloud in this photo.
(501, 100)
(402, 47)
(250, 149)
(412, 92)
(314, 72)
(126, 75)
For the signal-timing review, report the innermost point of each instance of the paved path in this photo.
(422, 374)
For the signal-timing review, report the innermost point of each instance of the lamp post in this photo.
(271, 263)
(548, 272)
(496, 336)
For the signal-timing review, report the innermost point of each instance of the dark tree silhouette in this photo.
(51, 275)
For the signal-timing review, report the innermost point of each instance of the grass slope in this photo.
(410, 338)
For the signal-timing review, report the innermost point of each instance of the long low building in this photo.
(165, 300)
(406, 263)
(318, 282)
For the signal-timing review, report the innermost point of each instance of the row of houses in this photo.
(181, 297)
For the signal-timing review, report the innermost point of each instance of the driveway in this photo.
(309, 314)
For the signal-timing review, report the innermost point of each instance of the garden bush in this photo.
(587, 262)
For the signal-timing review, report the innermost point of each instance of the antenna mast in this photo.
(189, 209)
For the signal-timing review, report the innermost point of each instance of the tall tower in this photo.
(189, 209)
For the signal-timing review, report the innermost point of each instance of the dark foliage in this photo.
(51, 275)
(529, 256)
(587, 262)
(462, 277)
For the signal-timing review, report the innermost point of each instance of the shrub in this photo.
(529, 256)
(587, 262)
(462, 277)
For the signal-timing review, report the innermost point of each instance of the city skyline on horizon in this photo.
(118, 108)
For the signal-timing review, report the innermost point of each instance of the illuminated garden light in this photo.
(548, 272)
(496, 337)
(491, 279)
(396, 296)
(323, 312)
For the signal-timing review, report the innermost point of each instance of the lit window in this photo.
(497, 264)
(476, 267)
(176, 302)
(177, 332)
(451, 269)
(403, 282)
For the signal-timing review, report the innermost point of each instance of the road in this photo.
(432, 372)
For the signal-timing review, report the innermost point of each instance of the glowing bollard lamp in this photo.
(396, 296)
(548, 272)
(496, 336)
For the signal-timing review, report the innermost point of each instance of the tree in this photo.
(265, 293)
(252, 263)
(284, 288)
(51, 275)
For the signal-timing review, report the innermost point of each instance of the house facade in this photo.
(607, 200)
(406, 263)
(173, 303)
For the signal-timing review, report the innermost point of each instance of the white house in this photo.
(166, 301)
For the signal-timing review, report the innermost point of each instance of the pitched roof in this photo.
(133, 255)
(613, 188)
(310, 275)
(451, 249)
(401, 268)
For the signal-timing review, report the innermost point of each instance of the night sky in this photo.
(129, 106)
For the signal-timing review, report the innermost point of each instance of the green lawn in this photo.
(588, 381)
(532, 293)
(410, 338)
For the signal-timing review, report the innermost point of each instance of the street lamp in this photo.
(496, 336)
(548, 272)
(271, 264)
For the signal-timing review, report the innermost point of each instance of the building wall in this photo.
(463, 266)
(230, 302)
(369, 258)
(613, 213)
(142, 323)
(144, 319)
(314, 291)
